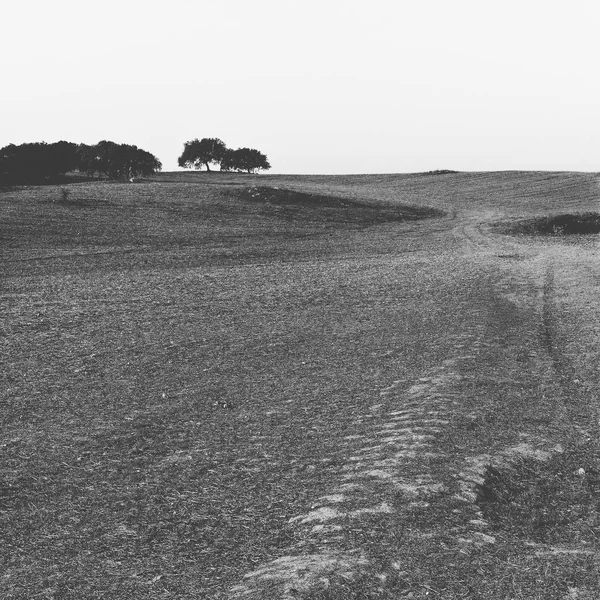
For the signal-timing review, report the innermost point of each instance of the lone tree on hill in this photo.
(244, 159)
(206, 151)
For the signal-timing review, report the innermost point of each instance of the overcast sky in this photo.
(320, 86)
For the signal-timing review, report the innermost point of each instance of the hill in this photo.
(232, 386)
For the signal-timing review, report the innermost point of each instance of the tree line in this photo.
(39, 162)
(212, 151)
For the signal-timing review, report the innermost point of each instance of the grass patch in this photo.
(555, 225)
(330, 209)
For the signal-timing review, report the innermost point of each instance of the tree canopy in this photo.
(244, 159)
(117, 161)
(207, 151)
(37, 162)
(40, 162)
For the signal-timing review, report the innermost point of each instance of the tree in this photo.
(62, 158)
(37, 162)
(41, 163)
(244, 159)
(206, 151)
(229, 161)
(117, 161)
(88, 160)
(144, 163)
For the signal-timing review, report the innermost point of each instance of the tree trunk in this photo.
(207, 167)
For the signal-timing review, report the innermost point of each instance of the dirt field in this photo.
(267, 387)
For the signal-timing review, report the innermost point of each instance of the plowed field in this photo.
(269, 387)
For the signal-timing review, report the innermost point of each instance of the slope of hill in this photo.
(512, 192)
(230, 386)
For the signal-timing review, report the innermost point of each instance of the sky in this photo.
(323, 87)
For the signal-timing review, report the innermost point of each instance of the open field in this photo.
(329, 387)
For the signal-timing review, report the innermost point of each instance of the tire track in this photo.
(548, 327)
(570, 331)
(478, 236)
(389, 457)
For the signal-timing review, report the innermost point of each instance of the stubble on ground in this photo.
(237, 399)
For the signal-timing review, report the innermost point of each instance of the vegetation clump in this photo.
(556, 225)
(116, 161)
(330, 209)
(244, 159)
(37, 162)
(441, 172)
(213, 151)
(40, 162)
